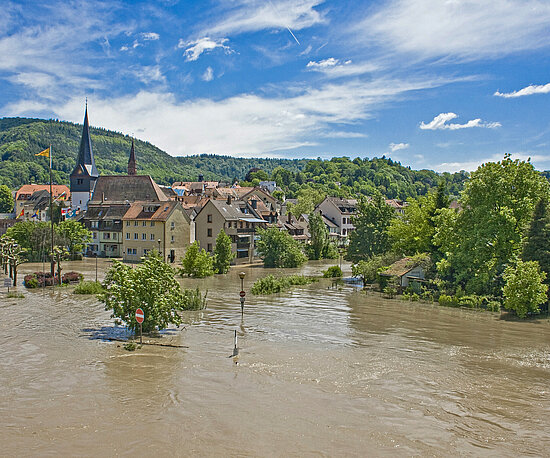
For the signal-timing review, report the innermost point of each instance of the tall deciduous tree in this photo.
(524, 290)
(319, 236)
(151, 286)
(370, 236)
(278, 249)
(74, 235)
(497, 205)
(222, 253)
(6, 199)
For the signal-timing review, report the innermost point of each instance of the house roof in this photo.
(397, 204)
(234, 211)
(30, 189)
(127, 188)
(106, 211)
(400, 268)
(343, 205)
(151, 211)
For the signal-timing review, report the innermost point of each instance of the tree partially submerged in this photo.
(151, 286)
(222, 253)
(278, 249)
(197, 262)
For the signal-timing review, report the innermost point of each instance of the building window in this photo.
(94, 224)
(136, 223)
(143, 236)
(172, 225)
(208, 218)
(172, 239)
(127, 236)
(209, 248)
(145, 251)
(106, 236)
(95, 235)
(136, 236)
(127, 223)
(79, 181)
(152, 224)
(153, 237)
(144, 223)
(209, 232)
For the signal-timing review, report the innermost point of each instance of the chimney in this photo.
(229, 200)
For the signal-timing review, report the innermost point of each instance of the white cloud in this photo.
(538, 160)
(206, 44)
(252, 16)
(440, 122)
(134, 45)
(529, 90)
(208, 74)
(150, 36)
(149, 74)
(335, 68)
(398, 146)
(467, 29)
(245, 124)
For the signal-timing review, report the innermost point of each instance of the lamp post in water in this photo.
(242, 293)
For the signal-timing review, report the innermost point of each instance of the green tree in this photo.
(524, 290)
(197, 262)
(370, 236)
(484, 237)
(536, 246)
(414, 232)
(319, 236)
(308, 199)
(74, 235)
(6, 199)
(278, 249)
(151, 286)
(59, 254)
(222, 253)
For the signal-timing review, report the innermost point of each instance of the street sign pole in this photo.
(242, 294)
(140, 316)
(140, 334)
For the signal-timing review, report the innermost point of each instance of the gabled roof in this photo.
(152, 211)
(85, 161)
(106, 211)
(234, 211)
(30, 189)
(400, 268)
(347, 206)
(127, 188)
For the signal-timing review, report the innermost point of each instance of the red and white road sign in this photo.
(140, 316)
(242, 294)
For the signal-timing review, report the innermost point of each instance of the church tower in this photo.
(85, 174)
(132, 161)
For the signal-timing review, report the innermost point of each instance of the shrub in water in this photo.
(88, 287)
(493, 306)
(332, 272)
(72, 277)
(30, 281)
(270, 284)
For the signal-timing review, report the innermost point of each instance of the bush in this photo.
(30, 281)
(88, 287)
(270, 284)
(332, 272)
(415, 297)
(72, 277)
(493, 306)
(15, 295)
(195, 300)
(447, 301)
(471, 301)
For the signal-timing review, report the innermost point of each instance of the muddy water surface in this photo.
(321, 371)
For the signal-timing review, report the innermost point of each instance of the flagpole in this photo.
(52, 268)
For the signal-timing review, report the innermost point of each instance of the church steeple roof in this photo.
(132, 160)
(85, 161)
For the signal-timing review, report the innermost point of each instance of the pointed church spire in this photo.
(85, 153)
(132, 160)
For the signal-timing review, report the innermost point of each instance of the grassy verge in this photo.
(270, 284)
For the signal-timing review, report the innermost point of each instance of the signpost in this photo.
(140, 316)
(242, 293)
(8, 282)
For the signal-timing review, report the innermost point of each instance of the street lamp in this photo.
(95, 256)
(242, 293)
(158, 241)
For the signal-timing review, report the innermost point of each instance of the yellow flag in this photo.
(45, 153)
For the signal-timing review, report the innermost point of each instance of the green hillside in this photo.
(22, 138)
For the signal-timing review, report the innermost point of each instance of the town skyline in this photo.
(437, 85)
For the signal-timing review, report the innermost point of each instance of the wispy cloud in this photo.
(467, 29)
(398, 146)
(206, 44)
(150, 36)
(336, 68)
(208, 74)
(252, 16)
(440, 123)
(529, 90)
(244, 124)
(539, 160)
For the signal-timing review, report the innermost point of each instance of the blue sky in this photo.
(439, 84)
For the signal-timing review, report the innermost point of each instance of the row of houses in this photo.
(130, 215)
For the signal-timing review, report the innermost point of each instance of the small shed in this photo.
(406, 270)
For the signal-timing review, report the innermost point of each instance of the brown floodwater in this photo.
(322, 370)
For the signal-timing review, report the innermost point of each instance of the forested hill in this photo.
(22, 138)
